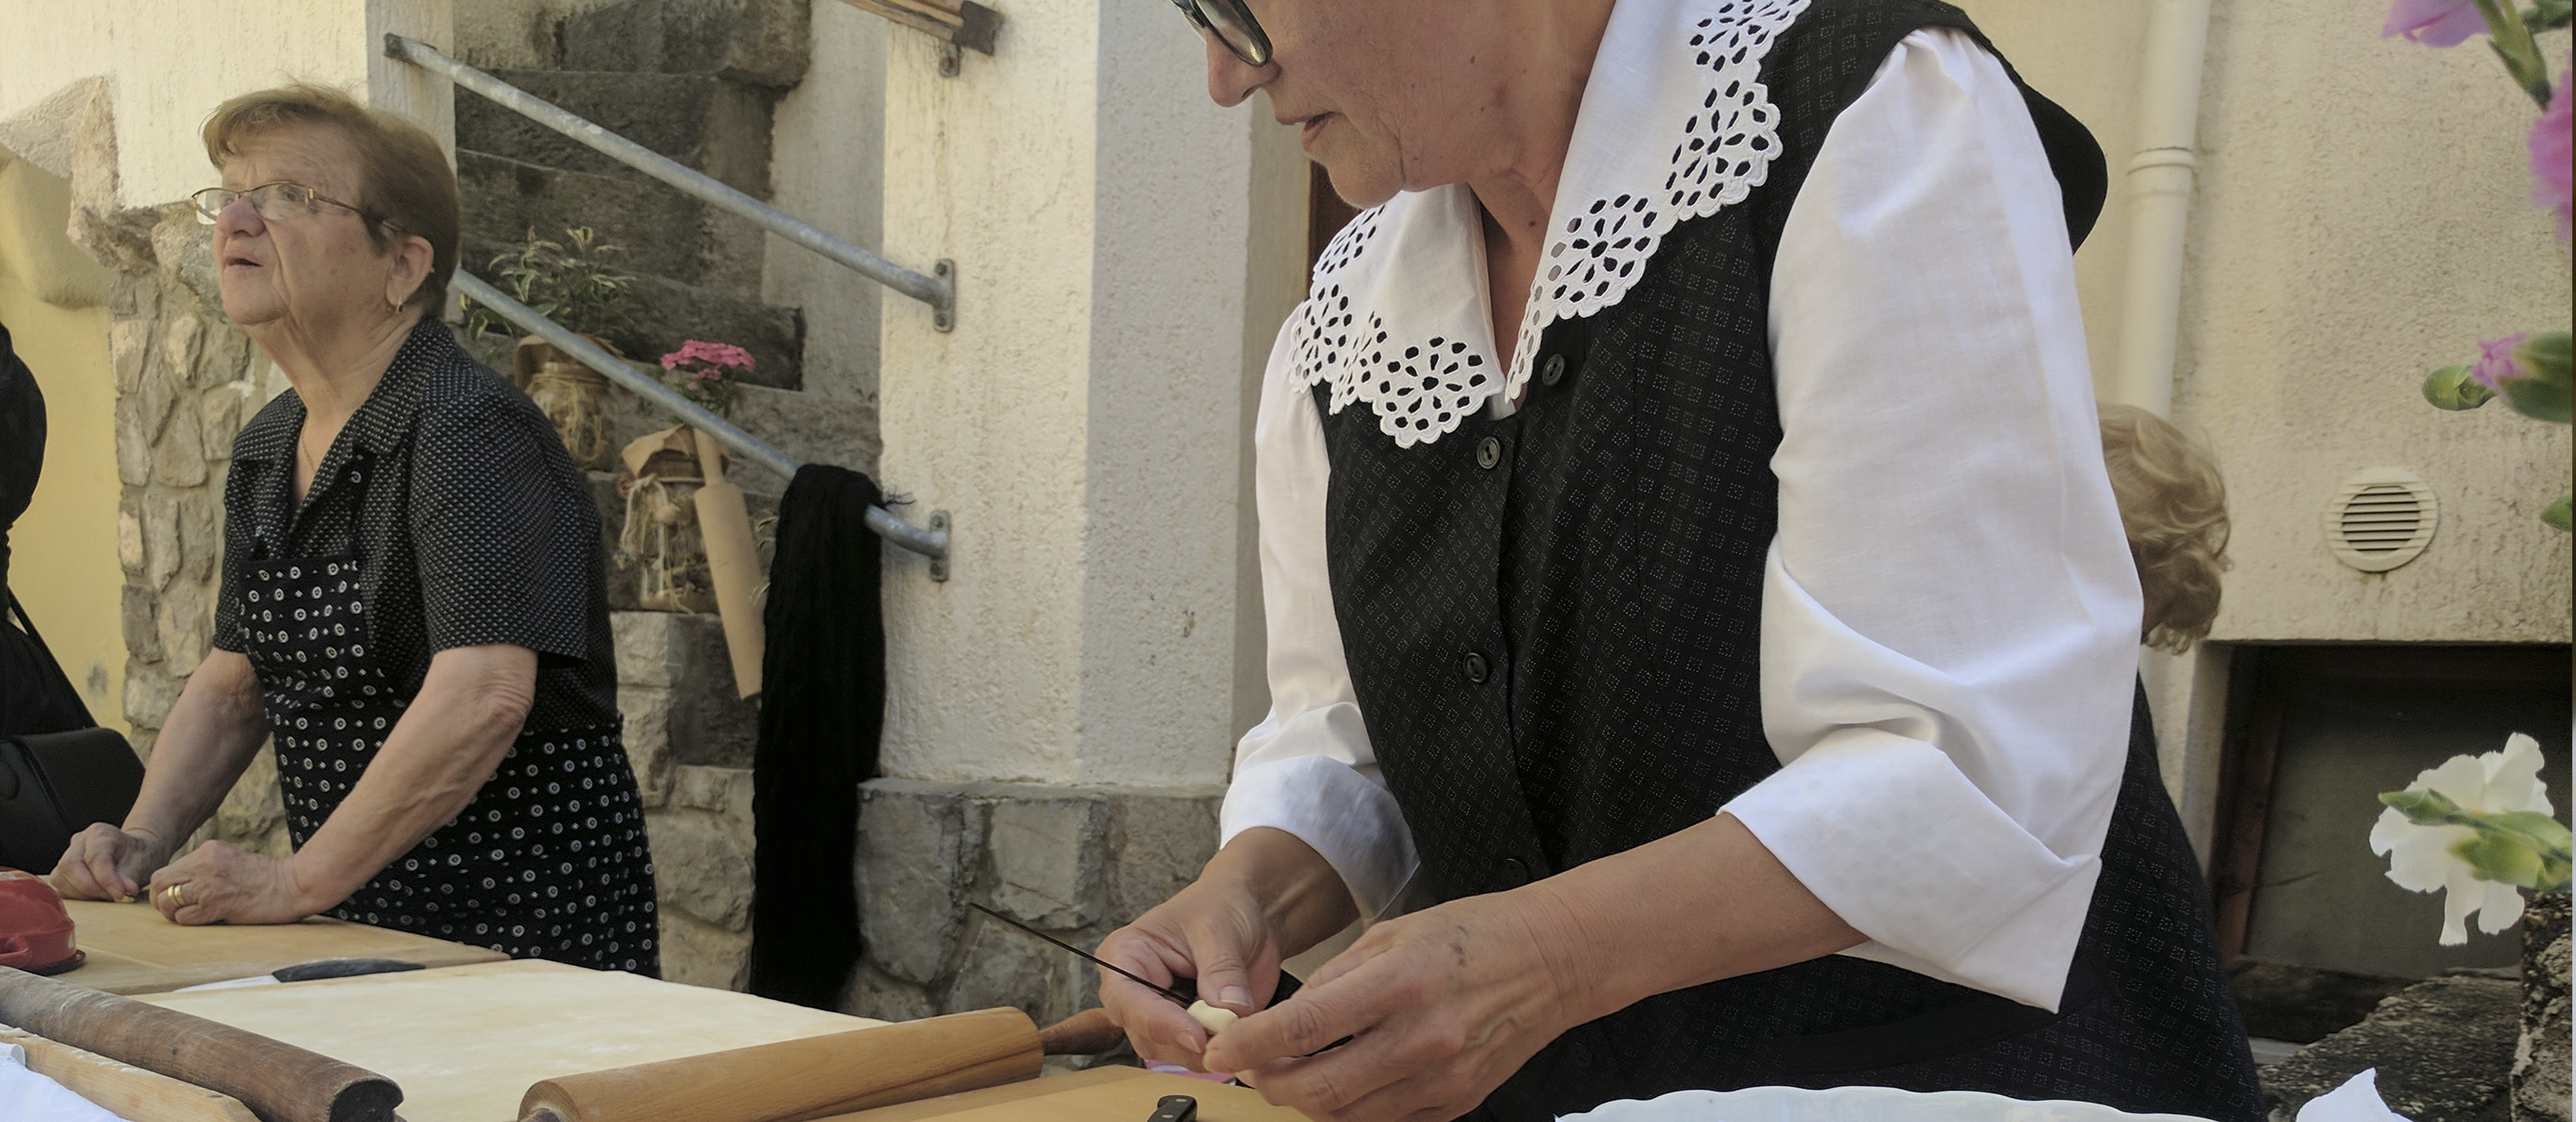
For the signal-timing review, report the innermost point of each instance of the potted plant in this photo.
(572, 283)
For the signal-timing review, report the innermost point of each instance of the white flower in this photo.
(2420, 857)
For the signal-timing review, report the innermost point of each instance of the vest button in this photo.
(1489, 452)
(1476, 669)
(1578, 1055)
(1552, 371)
(1515, 873)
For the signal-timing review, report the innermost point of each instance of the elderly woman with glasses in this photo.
(413, 604)
(1702, 637)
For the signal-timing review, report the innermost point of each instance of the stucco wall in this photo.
(63, 548)
(1083, 420)
(171, 66)
(827, 137)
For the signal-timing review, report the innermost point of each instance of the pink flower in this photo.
(711, 354)
(2434, 23)
(2495, 361)
(2550, 151)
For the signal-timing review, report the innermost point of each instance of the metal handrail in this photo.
(931, 542)
(940, 292)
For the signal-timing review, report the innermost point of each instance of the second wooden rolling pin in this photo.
(793, 1080)
(279, 1082)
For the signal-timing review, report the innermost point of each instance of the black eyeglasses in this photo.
(1232, 24)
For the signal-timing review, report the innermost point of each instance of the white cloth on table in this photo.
(1950, 613)
(28, 1097)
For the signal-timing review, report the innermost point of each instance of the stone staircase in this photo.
(694, 80)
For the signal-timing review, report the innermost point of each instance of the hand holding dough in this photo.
(1214, 1018)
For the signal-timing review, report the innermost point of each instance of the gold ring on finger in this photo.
(178, 898)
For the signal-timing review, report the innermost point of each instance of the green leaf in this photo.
(2452, 388)
(2427, 807)
(2544, 393)
(2556, 514)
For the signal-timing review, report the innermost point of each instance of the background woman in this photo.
(1701, 632)
(413, 597)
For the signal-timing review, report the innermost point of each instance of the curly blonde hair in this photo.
(2174, 506)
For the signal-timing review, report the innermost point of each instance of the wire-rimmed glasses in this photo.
(1233, 25)
(281, 200)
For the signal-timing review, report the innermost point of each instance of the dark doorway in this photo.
(2315, 734)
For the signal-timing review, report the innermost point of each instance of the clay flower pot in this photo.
(571, 395)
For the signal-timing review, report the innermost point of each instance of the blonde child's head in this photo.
(2174, 506)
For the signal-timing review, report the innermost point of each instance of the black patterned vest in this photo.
(1553, 624)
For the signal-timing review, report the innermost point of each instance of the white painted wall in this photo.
(1083, 422)
(170, 64)
(827, 147)
(2361, 217)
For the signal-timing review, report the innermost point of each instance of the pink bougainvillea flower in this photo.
(2495, 361)
(2434, 23)
(2550, 151)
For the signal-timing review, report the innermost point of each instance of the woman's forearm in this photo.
(1300, 893)
(471, 706)
(1706, 903)
(209, 738)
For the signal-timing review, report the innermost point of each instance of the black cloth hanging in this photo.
(822, 708)
(35, 695)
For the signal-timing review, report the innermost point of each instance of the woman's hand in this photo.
(106, 863)
(1213, 933)
(1264, 897)
(222, 883)
(1441, 1007)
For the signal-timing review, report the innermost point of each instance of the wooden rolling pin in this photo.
(733, 564)
(794, 1080)
(279, 1082)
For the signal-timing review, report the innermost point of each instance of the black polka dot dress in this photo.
(445, 515)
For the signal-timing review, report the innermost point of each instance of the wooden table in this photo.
(1109, 1094)
(465, 1042)
(133, 950)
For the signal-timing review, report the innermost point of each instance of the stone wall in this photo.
(186, 381)
(690, 740)
(1075, 862)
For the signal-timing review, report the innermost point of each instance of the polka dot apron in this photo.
(548, 861)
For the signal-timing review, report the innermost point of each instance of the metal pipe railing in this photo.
(931, 542)
(940, 292)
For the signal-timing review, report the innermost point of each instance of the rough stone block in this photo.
(133, 447)
(698, 954)
(1159, 841)
(716, 126)
(647, 710)
(762, 42)
(1047, 851)
(179, 457)
(658, 231)
(253, 814)
(872, 994)
(201, 536)
(129, 343)
(2540, 1058)
(224, 355)
(705, 722)
(919, 844)
(701, 869)
(722, 791)
(149, 694)
(134, 617)
(187, 623)
(161, 555)
(2444, 1049)
(1002, 966)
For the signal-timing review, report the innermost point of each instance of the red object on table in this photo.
(35, 930)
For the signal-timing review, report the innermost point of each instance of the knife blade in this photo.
(1175, 995)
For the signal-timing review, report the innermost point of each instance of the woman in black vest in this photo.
(1702, 639)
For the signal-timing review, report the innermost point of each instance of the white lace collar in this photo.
(1673, 126)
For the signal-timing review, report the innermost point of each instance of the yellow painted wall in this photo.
(63, 562)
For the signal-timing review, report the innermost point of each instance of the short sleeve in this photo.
(498, 540)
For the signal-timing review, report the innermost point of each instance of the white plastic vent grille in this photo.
(2381, 518)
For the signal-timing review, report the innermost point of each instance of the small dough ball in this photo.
(1215, 1017)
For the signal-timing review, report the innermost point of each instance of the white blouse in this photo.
(1950, 615)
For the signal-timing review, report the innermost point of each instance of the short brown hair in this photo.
(403, 178)
(2174, 506)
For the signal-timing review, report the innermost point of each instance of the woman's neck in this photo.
(1540, 100)
(332, 371)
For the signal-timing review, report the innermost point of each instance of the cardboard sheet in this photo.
(133, 950)
(466, 1042)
